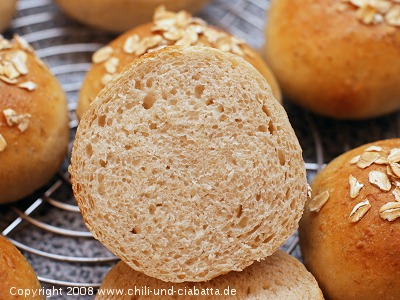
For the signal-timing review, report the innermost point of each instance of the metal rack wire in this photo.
(47, 227)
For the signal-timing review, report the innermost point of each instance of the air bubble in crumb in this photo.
(103, 163)
(210, 102)
(265, 110)
(281, 156)
(199, 91)
(149, 82)
(271, 127)
(262, 128)
(239, 211)
(101, 121)
(148, 101)
(89, 151)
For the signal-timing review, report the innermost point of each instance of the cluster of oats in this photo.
(13, 62)
(386, 181)
(377, 11)
(14, 119)
(170, 28)
(13, 67)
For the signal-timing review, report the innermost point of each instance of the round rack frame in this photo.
(47, 226)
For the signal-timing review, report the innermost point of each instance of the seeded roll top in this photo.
(373, 12)
(34, 130)
(350, 228)
(168, 28)
(186, 167)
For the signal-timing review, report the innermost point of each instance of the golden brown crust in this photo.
(279, 276)
(357, 260)
(7, 10)
(122, 15)
(15, 273)
(33, 156)
(93, 80)
(330, 62)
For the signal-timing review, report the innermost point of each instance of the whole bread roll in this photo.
(352, 242)
(7, 10)
(186, 167)
(34, 131)
(336, 58)
(182, 29)
(122, 15)
(279, 276)
(16, 274)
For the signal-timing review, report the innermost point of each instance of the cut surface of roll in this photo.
(280, 276)
(186, 167)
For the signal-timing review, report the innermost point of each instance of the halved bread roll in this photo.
(280, 276)
(186, 167)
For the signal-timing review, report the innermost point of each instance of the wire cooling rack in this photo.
(47, 226)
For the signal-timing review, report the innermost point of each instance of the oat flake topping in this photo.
(390, 211)
(318, 201)
(367, 159)
(355, 187)
(12, 119)
(13, 62)
(375, 11)
(380, 180)
(170, 28)
(359, 211)
(385, 181)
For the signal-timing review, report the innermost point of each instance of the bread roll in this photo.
(336, 58)
(186, 167)
(34, 131)
(279, 276)
(7, 10)
(122, 15)
(16, 274)
(111, 59)
(352, 245)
